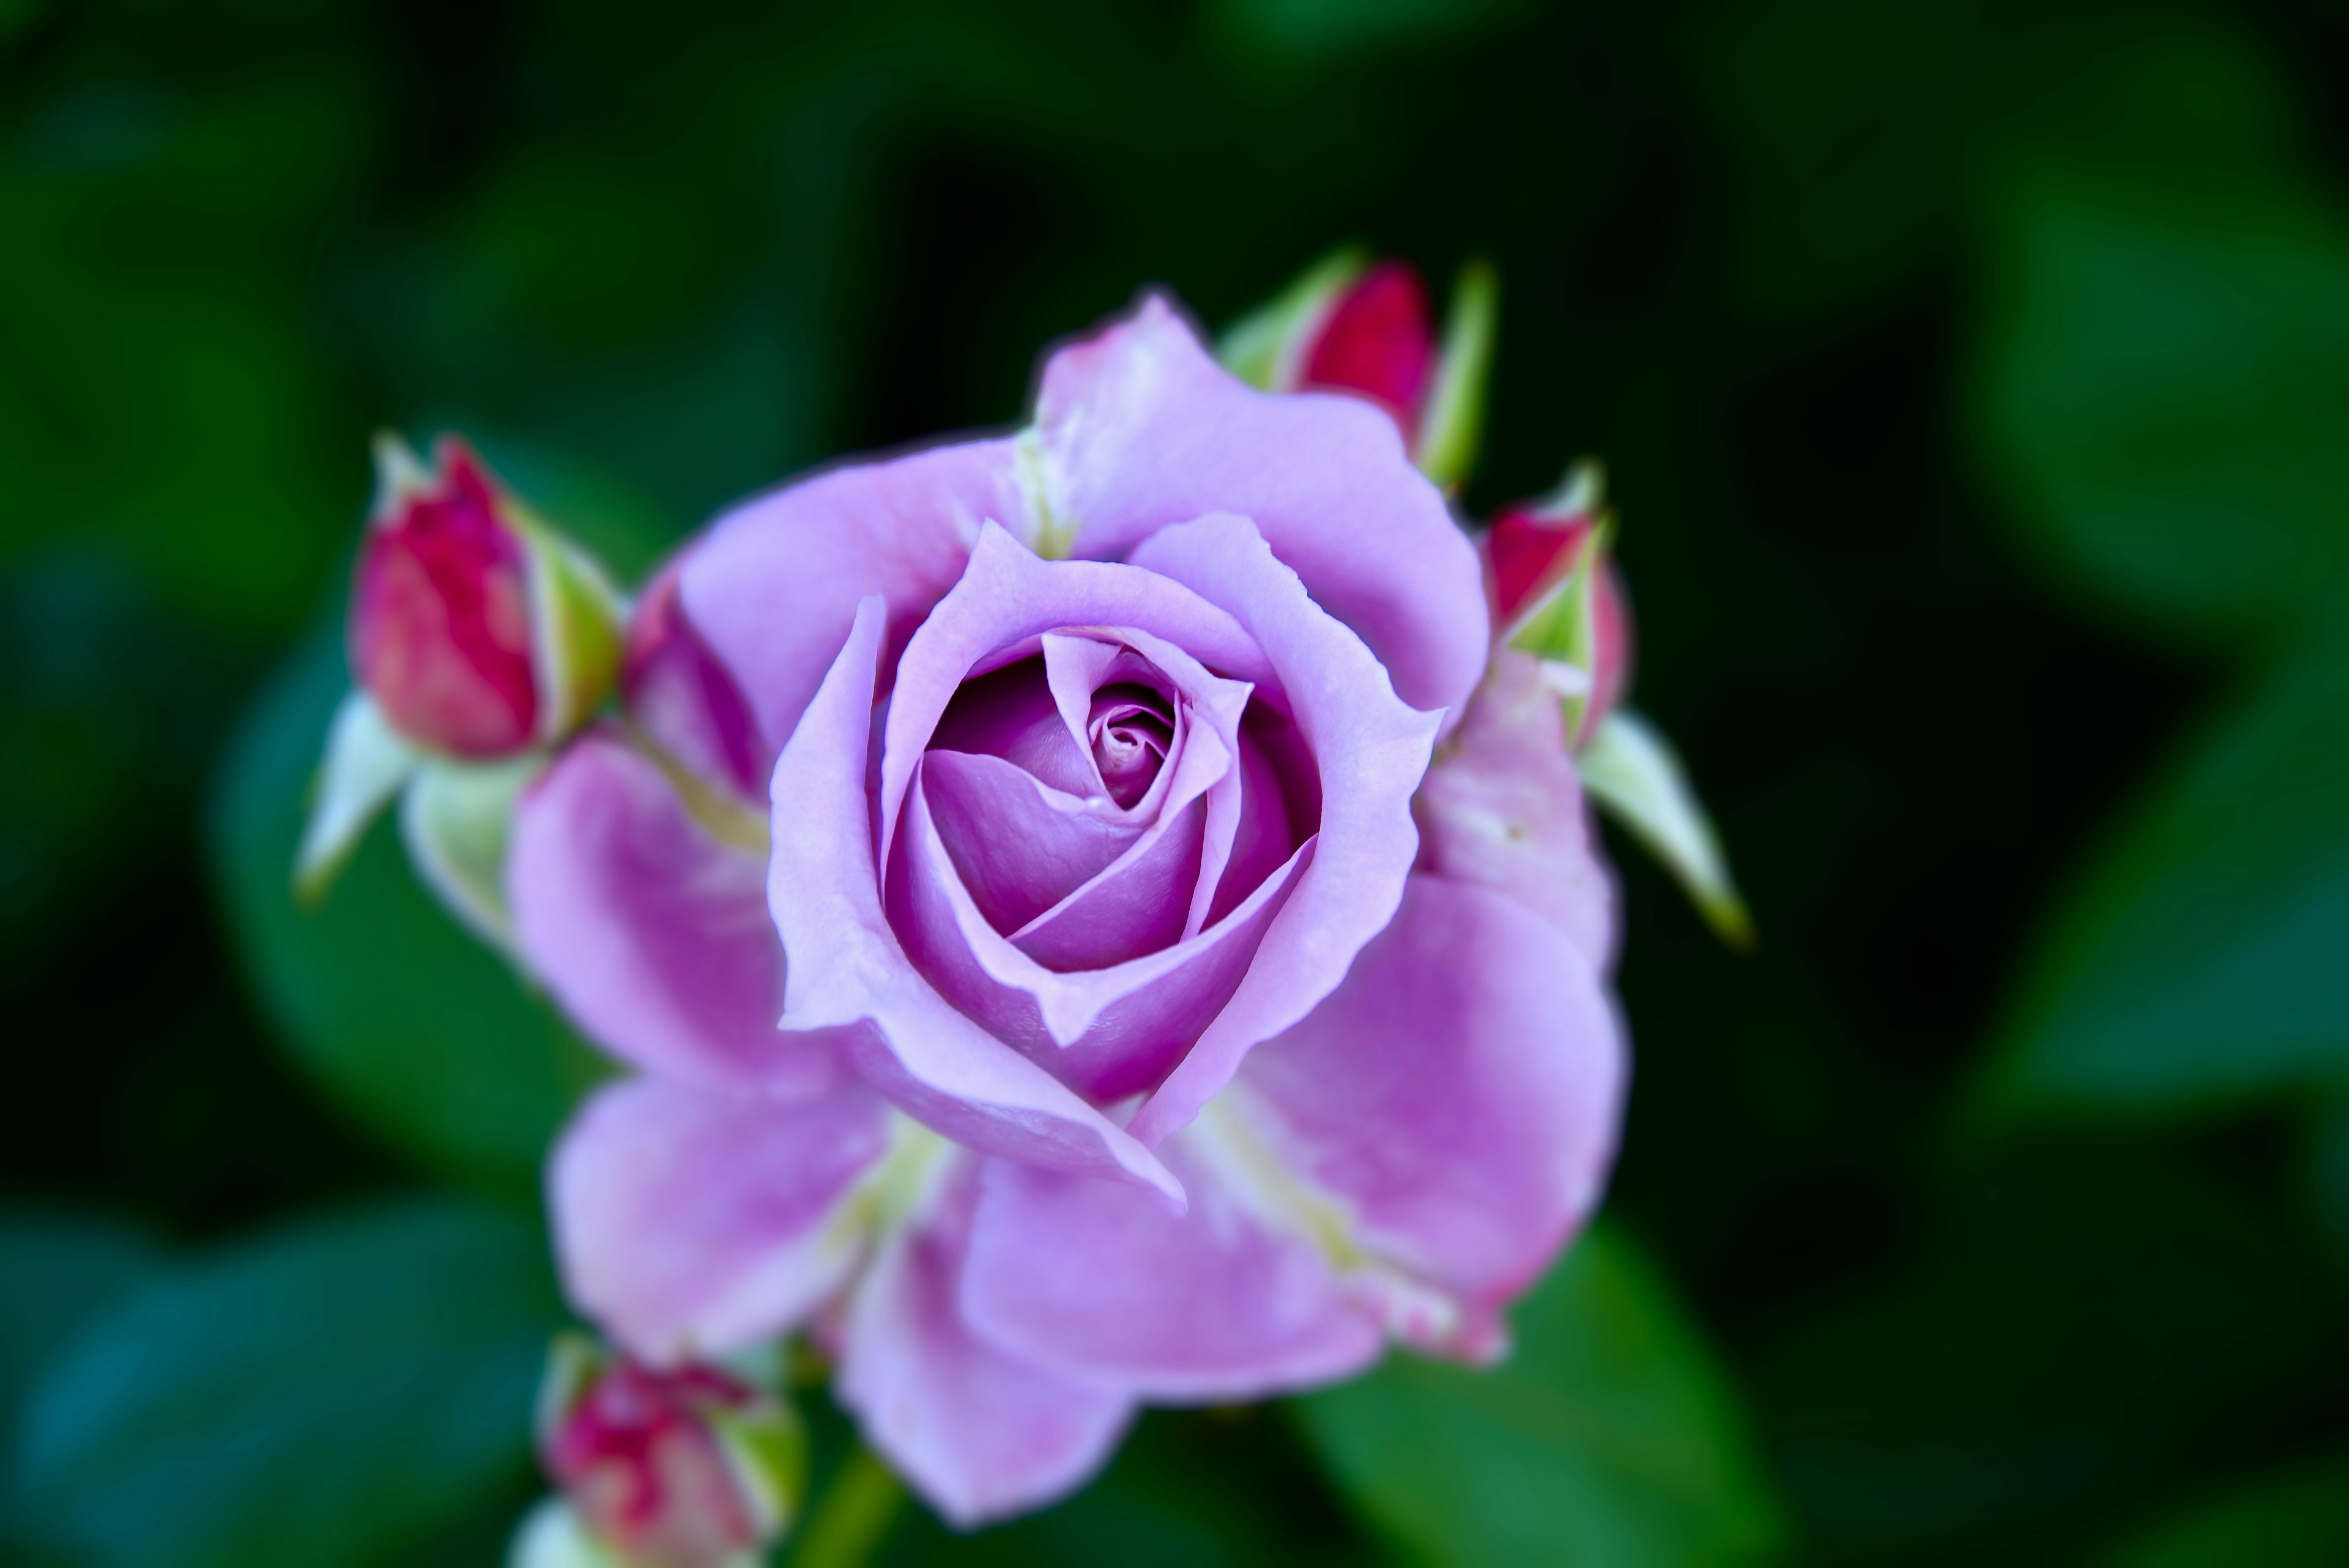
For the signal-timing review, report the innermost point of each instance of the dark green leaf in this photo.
(426, 1034)
(306, 1399)
(2203, 959)
(1610, 1437)
(2298, 1519)
(2166, 388)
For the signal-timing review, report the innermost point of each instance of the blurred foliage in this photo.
(1971, 377)
(1610, 1439)
(311, 1396)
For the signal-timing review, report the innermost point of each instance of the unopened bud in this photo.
(683, 1467)
(478, 630)
(1556, 593)
(1362, 327)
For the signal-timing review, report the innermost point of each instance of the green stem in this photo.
(858, 1505)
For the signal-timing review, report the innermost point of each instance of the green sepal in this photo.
(1263, 348)
(1633, 770)
(364, 764)
(1453, 425)
(1562, 625)
(456, 819)
(576, 619)
(553, 1535)
(766, 1449)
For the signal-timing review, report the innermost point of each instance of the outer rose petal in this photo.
(651, 934)
(1217, 1304)
(981, 1432)
(679, 694)
(686, 1221)
(1503, 806)
(1140, 428)
(775, 585)
(1457, 1097)
(848, 968)
(1371, 752)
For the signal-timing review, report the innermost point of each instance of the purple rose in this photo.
(1159, 1024)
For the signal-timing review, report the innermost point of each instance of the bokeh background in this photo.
(1973, 380)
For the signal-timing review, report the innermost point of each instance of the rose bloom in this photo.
(1197, 963)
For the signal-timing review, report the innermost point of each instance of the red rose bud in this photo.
(688, 1466)
(477, 630)
(1353, 325)
(1557, 595)
(1377, 341)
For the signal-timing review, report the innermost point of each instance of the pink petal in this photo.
(652, 934)
(1020, 846)
(679, 694)
(981, 1433)
(1458, 1096)
(1214, 1305)
(1011, 712)
(691, 1222)
(1106, 1033)
(848, 968)
(1008, 596)
(1377, 341)
(1503, 807)
(775, 585)
(1370, 751)
(1141, 429)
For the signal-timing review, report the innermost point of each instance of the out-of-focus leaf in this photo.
(302, 1399)
(427, 1035)
(2086, 1323)
(55, 1268)
(1608, 1437)
(2205, 958)
(1311, 31)
(1870, 138)
(1223, 1488)
(2166, 388)
(2298, 1519)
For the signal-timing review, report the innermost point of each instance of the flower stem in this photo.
(858, 1505)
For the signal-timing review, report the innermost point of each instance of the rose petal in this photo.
(1214, 1306)
(1370, 751)
(1011, 713)
(848, 967)
(1457, 1097)
(775, 585)
(1140, 428)
(1006, 596)
(1502, 806)
(980, 1432)
(691, 1222)
(1106, 1033)
(679, 694)
(1020, 846)
(653, 936)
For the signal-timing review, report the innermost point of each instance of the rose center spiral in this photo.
(1131, 729)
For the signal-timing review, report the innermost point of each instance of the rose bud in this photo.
(1556, 595)
(477, 630)
(1364, 327)
(686, 1466)
(479, 637)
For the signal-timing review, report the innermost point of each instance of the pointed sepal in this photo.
(457, 819)
(1452, 425)
(1268, 347)
(1633, 772)
(366, 762)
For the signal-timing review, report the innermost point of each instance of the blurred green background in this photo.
(1973, 380)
